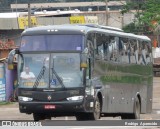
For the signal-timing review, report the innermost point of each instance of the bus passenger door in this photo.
(101, 67)
(92, 49)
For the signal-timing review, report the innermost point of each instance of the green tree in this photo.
(147, 16)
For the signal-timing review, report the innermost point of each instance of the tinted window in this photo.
(145, 56)
(51, 42)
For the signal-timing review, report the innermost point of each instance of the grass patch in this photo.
(5, 103)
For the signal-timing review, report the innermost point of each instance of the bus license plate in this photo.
(49, 106)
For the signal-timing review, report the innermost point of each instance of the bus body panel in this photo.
(124, 82)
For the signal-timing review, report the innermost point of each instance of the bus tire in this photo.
(96, 111)
(95, 115)
(38, 117)
(136, 111)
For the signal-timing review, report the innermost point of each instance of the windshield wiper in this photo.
(57, 76)
(40, 75)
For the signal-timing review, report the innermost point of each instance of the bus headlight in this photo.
(75, 98)
(22, 98)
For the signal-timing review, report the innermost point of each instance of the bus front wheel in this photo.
(95, 115)
(97, 110)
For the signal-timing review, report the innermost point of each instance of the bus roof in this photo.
(55, 29)
(81, 29)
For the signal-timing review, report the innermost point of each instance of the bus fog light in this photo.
(22, 98)
(75, 98)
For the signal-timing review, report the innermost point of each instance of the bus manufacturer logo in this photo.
(49, 97)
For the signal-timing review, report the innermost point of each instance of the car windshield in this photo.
(58, 70)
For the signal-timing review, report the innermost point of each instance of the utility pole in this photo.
(16, 7)
(106, 12)
(29, 14)
(122, 20)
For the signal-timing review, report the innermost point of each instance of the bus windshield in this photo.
(51, 42)
(56, 70)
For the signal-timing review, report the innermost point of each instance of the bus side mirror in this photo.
(11, 56)
(88, 82)
(84, 57)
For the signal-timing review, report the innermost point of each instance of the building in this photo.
(5, 4)
(82, 6)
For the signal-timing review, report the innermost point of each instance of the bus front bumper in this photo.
(51, 107)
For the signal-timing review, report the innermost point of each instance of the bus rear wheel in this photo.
(136, 111)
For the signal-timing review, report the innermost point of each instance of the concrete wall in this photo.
(115, 18)
(8, 23)
(52, 20)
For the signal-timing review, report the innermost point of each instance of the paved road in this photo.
(11, 111)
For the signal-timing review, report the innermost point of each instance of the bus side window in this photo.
(149, 53)
(146, 53)
(141, 53)
(114, 52)
(133, 50)
(99, 47)
(121, 45)
(106, 48)
(90, 46)
(124, 51)
(121, 49)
